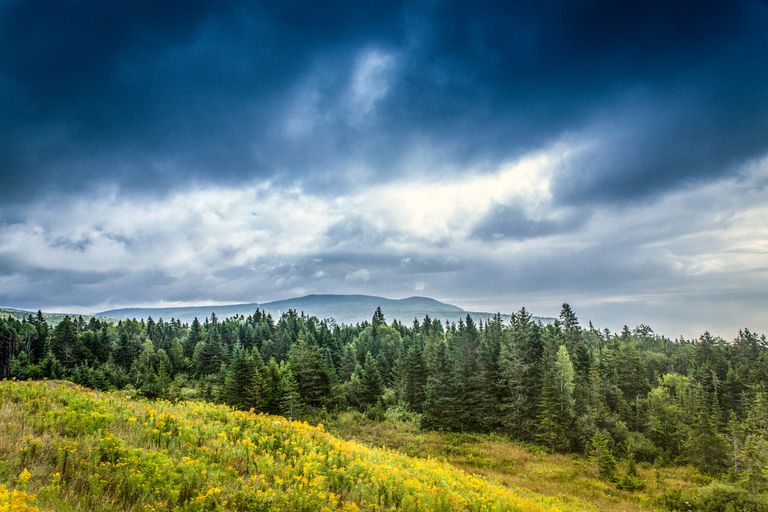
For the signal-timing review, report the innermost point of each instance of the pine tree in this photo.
(194, 337)
(209, 355)
(601, 454)
(370, 381)
(148, 380)
(272, 387)
(312, 375)
(519, 377)
(64, 344)
(129, 343)
(706, 448)
(39, 342)
(471, 378)
(753, 471)
(378, 318)
(556, 400)
(243, 385)
(291, 405)
(441, 406)
(414, 377)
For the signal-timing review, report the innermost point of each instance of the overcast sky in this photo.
(613, 155)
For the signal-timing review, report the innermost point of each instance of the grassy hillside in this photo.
(568, 478)
(77, 449)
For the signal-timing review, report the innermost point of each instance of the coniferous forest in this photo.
(621, 398)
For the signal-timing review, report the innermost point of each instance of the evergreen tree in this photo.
(209, 355)
(64, 343)
(414, 377)
(290, 398)
(441, 406)
(471, 378)
(519, 376)
(243, 385)
(370, 381)
(272, 387)
(194, 337)
(148, 381)
(556, 401)
(40, 340)
(129, 343)
(311, 373)
(601, 454)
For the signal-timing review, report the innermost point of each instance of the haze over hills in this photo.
(342, 308)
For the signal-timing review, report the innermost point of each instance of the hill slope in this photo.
(51, 318)
(342, 308)
(102, 451)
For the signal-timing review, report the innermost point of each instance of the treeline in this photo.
(620, 397)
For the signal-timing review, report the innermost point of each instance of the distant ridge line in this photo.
(343, 308)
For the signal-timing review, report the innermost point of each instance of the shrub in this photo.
(715, 497)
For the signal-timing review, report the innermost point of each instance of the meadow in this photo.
(65, 448)
(572, 479)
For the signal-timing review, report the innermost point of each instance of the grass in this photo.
(76, 449)
(569, 479)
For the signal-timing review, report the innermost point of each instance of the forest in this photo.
(620, 398)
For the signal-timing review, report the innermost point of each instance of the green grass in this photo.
(567, 478)
(76, 449)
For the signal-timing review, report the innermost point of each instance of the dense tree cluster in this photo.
(619, 397)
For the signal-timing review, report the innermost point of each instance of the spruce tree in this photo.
(64, 342)
(519, 376)
(243, 385)
(194, 337)
(311, 373)
(414, 377)
(556, 417)
(291, 405)
(39, 342)
(370, 381)
(441, 406)
(600, 452)
(209, 355)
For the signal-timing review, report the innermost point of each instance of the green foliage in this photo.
(716, 497)
(601, 454)
(699, 402)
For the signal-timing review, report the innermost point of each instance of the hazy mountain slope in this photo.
(342, 308)
(51, 318)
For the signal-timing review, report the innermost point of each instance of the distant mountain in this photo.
(342, 308)
(51, 318)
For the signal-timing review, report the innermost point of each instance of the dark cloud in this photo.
(311, 106)
(149, 97)
(513, 222)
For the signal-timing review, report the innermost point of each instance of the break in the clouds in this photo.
(608, 154)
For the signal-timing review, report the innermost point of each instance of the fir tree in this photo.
(556, 400)
(370, 381)
(441, 406)
(64, 344)
(243, 385)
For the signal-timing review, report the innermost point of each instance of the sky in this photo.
(494, 155)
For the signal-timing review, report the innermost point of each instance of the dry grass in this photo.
(77, 449)
(567, 478)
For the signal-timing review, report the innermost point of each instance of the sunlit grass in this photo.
(570, 479)
(85, 450)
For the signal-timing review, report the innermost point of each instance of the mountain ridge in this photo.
(343, 308)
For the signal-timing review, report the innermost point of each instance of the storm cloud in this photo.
(489, 154)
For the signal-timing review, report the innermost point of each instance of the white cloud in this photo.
(358, 276)
(370, 82)
(224, 243)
